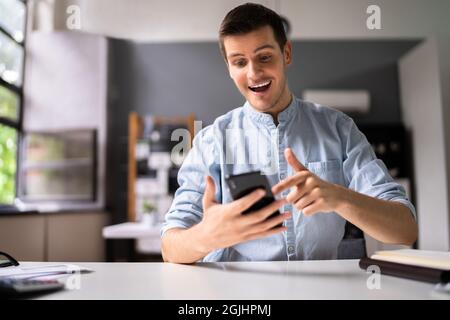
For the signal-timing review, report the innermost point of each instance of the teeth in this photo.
(261, 85)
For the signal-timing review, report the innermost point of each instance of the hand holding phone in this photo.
(224, 225)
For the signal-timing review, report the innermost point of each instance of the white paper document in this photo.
(42, 270)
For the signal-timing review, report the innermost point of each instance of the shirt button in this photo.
(290, 249)
(282, 176)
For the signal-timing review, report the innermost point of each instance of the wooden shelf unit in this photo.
(135, 132)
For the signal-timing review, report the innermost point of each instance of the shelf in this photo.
(59, 164)
(135, 134)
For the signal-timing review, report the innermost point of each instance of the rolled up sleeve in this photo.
(367, 174)
(186, 209)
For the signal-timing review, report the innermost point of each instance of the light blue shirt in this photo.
(326, 141)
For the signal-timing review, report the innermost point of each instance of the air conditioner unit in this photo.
(352, 101)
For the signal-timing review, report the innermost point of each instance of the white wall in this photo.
(199, 20)
(65, 87)
(444, 68)
(331, 19)
(423, 109)
(444, 72)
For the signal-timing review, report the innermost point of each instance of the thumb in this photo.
(292, 160)
(209, 196)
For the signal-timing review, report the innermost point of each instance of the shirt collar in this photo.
(283, 117)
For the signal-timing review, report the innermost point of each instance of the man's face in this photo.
(257, 66)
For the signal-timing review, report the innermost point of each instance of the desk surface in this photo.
(336, 279)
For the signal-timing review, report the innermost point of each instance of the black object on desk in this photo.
(12, 287)
(407, 271)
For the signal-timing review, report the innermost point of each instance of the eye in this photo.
(265, 58)
(239, 63)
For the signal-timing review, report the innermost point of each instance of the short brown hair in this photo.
(249, 17)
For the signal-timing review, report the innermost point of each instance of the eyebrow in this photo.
(266, 46)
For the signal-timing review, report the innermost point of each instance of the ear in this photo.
(229, 70)
(287, 53)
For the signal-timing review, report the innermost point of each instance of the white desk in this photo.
(338, 279)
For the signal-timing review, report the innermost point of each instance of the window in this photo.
(58, 166)
(12, 56)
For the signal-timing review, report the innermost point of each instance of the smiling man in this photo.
(325, 170)
(264, 88)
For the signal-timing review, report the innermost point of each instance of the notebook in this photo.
(421, 265)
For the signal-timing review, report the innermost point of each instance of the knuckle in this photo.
(271, 225)
(277, 204)
(260, 216)
(316, 191)
(236, 207)
(247, 237)
(263, 227)
(240, 209)
(290, 197)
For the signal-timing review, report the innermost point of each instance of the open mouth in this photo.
(261, 87)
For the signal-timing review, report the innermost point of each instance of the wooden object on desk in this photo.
(135, 132)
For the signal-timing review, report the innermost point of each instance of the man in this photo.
(325, 170)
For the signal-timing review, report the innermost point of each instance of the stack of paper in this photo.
(42, 270)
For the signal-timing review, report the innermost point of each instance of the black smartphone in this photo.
(242, 184)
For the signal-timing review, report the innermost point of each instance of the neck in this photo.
(283, 102)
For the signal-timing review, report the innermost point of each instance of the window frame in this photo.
(17, 125)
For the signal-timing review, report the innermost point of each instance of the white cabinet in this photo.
(59, 236)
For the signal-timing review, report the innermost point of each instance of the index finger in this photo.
(297, 178)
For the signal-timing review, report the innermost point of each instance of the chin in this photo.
(261, 108)
(260, 105)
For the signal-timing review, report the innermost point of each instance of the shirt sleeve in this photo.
(367, 174)
(186, 209)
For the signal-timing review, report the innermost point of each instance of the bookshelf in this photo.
(136, 128)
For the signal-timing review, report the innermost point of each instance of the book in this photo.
(421, 265)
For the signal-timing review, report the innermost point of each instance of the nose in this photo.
(254, 71)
